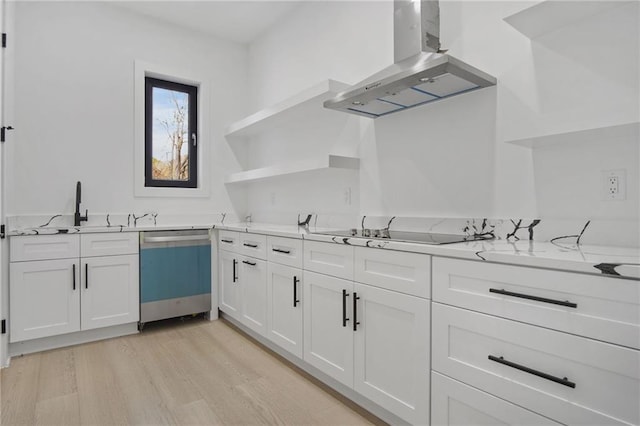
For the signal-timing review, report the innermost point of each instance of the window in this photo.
(171, 134)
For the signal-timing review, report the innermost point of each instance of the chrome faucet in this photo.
(77, 217)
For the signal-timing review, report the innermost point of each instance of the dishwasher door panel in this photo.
(175, 279)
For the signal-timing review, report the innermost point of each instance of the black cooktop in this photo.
(404, 236)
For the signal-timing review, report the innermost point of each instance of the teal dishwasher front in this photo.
(175, 274)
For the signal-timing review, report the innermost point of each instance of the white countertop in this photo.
(599, 260)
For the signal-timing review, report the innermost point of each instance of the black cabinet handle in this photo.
(86, 275)
(227, 241)
(355, 311)
(564, 381)
(74, 276)
(536, 298)
(235, 277)
(344, 308)
(295, 291)
(281, 251)
(250, 245)
(249, 263)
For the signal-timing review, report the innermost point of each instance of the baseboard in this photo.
(62, 340)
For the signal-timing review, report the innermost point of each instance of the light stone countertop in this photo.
(611, 261)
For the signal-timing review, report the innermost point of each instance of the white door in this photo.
(44, 298)
(391, 351)
(328, 332)
(253, 282)
(284, 307)
(456, 404)
(229, 284)
(110, 291)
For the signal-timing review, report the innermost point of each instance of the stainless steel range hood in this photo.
(421, 72)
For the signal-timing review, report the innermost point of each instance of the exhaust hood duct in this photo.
(421, 72)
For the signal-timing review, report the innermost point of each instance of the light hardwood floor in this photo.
(192, 373)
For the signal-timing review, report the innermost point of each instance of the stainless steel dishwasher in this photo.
(175, 274)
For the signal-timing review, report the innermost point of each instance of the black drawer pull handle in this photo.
(564, 381)
(74, 276)
(235, 276)
(246, 262)
(281, 251)
(355, 311)
(250, 245)
(86, 275)
(344, 308)
(227, 241)
(295, 291)
(536, 298)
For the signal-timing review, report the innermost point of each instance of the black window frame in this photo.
(192, 91)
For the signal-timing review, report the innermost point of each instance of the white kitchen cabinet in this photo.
(456, 404)
(561, 376)
(44, 298)
(49, 291)
(253, 245)
(110, 291)
(284, 307)
(243, 281)
(229, 285)
(229, 240)
(329, 259)
(287, 251)
(253, 299)
(328, 333)
(599, 307)
(403, 272)
(391, 351)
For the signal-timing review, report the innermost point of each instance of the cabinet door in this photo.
(253, 284)
(391, 345)
(328, 338)
(456, 404)
(44, 298)
(110, 291)
(284, 307)
(229, 284)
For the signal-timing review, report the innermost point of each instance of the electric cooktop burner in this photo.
(404, 236)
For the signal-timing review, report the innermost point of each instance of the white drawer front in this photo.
(606, 377)
(254, 245)
(599, 307)
(44, 247)
(228, 240)
(394, 270)
(286, 251)
(109, 244)
(456, 404)
(329, 259)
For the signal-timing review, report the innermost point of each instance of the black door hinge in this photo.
(4, 327)
(3, 131)
(2, 232)
(4, 39)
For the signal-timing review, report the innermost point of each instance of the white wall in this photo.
(450, 158)
(74, 107)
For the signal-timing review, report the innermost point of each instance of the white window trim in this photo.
(171, 73)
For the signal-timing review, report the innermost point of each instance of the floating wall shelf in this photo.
(628, 130)
(305, 104)
(550, 15)
(328, 162)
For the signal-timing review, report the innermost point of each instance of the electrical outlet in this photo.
(347, 196)
(614, 184)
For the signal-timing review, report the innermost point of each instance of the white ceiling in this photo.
(240, 21)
